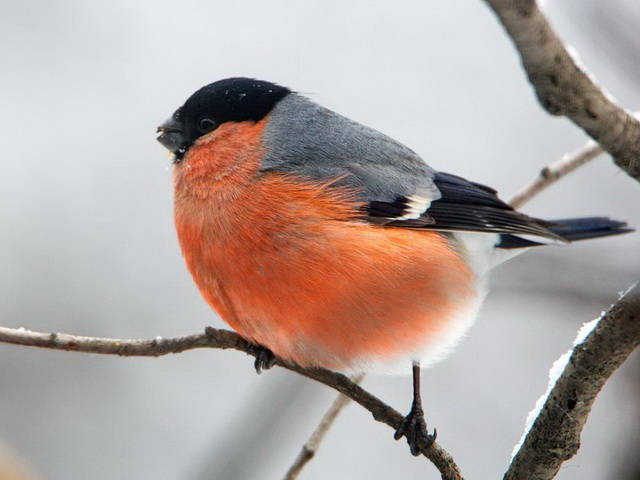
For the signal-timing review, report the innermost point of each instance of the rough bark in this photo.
(564, 88)
(554, 436)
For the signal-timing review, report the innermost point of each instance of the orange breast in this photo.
(286, 264)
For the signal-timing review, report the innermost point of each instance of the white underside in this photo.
(478, 249)
(436, 348)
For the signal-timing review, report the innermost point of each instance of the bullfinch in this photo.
(329, 244)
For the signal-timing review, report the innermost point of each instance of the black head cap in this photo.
(229, 100)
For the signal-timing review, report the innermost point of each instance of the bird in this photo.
(329, 244)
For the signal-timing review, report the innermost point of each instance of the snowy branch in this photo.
(564, 88)
(223, 339)
(554, 436)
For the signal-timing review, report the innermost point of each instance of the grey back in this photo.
(311, 141)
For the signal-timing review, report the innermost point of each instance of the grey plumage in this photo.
(307, 139)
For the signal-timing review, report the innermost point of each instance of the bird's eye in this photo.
(206, 125)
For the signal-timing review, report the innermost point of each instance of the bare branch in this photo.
(555, 435)
(310, 448)
(223, 339)
(563, 88)
(555, 171)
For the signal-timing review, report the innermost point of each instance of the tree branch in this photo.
(309, 449)
(555, 171)
(555, 435)
(563, 88)
(223, 339)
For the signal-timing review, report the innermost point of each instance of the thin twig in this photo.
(555, 171)
(309, 449)
(224, 339)
(555, 435)
(565, 88)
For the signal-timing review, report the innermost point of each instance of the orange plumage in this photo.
(286, 262)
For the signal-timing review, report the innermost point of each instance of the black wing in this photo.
(464, 206)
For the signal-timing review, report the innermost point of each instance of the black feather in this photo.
(464, 206)
(512, 241)
(456, 189)
(388, 209)
(571, 230)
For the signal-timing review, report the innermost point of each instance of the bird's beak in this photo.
(172, 136)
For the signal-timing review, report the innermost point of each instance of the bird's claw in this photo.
(414, 428)
(265, 359)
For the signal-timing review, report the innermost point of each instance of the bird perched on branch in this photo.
(330, 244)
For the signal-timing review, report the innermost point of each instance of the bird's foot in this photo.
(414, 428)
(265, 359)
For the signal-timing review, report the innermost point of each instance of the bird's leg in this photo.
(265, 359)
(413, 426)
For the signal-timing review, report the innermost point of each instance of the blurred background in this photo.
(88, 247)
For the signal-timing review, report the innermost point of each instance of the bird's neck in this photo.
(227, 158)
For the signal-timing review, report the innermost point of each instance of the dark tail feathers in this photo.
(571, 229)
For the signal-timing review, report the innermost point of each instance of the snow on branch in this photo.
(600, 348)
(565, 88)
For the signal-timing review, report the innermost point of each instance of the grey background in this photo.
(87, 243)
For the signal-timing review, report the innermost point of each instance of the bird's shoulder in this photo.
(310, 141)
